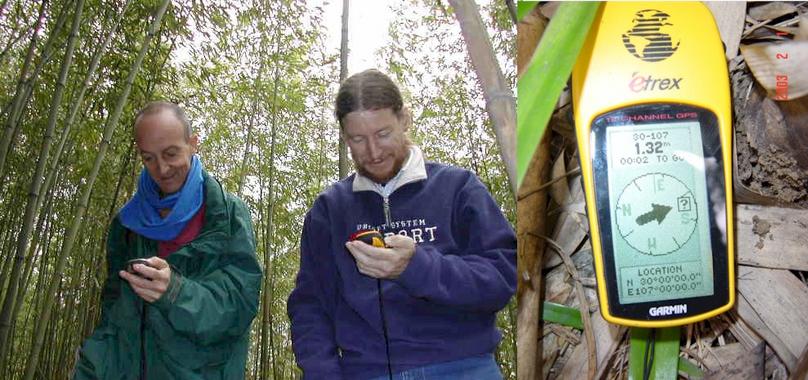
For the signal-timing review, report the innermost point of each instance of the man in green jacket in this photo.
(184, 311)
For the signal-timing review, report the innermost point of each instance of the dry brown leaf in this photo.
(771, 237)
(559, 189)
(765, 30)
(583, 306)
(549, 8)
(712, 330)
(802, 30)
(741, 364)
(607, 338)
(568, 232)
(780, 301)
(771, 10)
(566, 333)
(722, 356)
(779, 67)
(529, 31)
(729, 16)
(741, 330)
(801, 372)
(557, 289)
(755, 322)
(551, 346)
(775, 369)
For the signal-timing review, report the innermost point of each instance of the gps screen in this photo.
(660, 219)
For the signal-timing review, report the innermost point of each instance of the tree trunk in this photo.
(531, 214)
(70, 237)
(343, 73)
(322, 149)
(127, 159)
(266, 353)
(499, 99)
(259, 354)
(270, 298)
(93, 311)
(246, 158)
(31, 261)
(11, 220)
(36, 182)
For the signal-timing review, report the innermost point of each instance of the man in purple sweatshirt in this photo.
(424, 306)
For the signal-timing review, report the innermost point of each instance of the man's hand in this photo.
(150, 281)
(385, 263)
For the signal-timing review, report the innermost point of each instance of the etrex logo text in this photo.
(649, 83)
(667, 310)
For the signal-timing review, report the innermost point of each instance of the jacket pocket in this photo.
(98, 357)
(183, 352)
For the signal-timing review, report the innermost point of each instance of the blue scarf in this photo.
(142, 213)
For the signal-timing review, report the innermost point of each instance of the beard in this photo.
(401, 156)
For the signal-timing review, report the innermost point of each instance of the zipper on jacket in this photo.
(387, 218)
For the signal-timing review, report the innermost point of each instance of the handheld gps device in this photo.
(653, 122)
(130, 266)
(369, 237)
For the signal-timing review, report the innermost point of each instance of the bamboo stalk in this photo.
(344, 165)
(11, 122)
(70, 237)
(499, 99)
(34, 192)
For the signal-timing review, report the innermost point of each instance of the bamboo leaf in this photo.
(692, 371)
(543, 81)
(524, 7)
(563, 315)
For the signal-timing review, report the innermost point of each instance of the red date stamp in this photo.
(781, 91)
(781, 80)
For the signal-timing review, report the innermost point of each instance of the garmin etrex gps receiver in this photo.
(653, 122)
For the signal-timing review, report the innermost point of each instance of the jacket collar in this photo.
(413, 170)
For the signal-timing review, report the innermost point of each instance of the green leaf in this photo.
(524, 7)
(542, 83)
(665, 358)
(692, 371)
(563, 315)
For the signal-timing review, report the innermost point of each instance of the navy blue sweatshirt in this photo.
(441, 308)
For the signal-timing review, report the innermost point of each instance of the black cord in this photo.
(648, 362)
(384, 330)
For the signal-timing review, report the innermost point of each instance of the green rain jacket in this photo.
(199, 328)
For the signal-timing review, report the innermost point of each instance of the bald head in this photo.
(159, 107)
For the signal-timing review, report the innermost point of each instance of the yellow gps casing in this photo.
(369, 237)
(615, 70)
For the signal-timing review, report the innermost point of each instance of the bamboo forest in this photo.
(258, 79)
